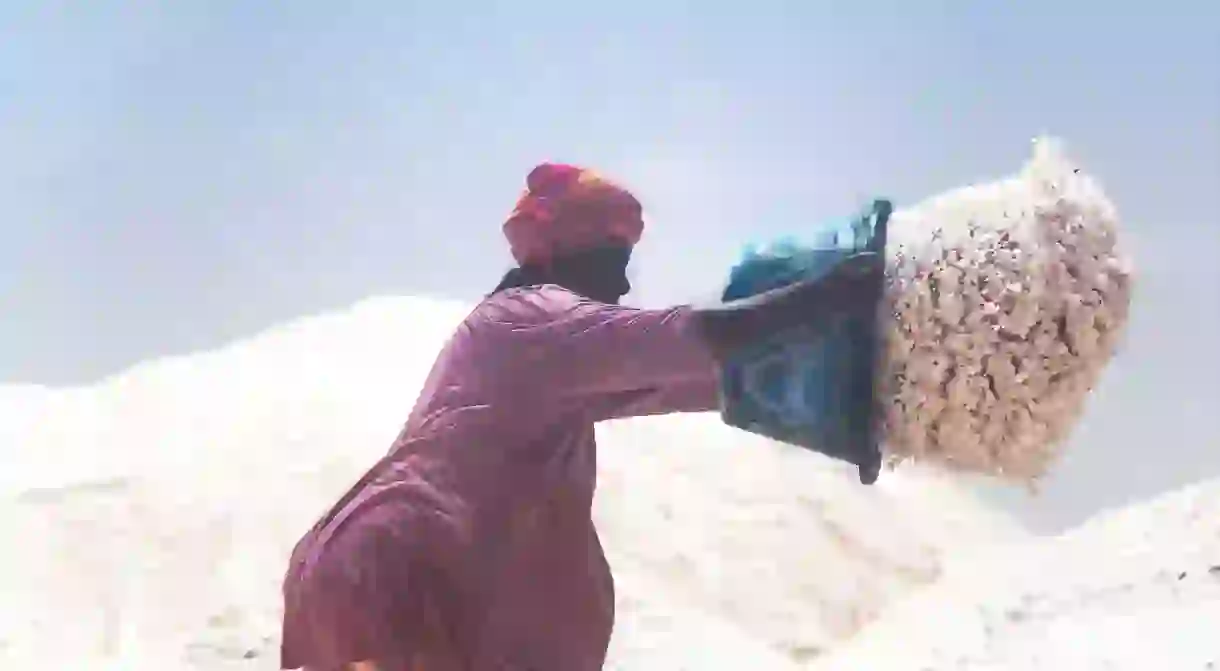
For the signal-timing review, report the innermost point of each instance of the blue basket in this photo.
(806, 388)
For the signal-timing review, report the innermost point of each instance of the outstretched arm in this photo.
(618, 361)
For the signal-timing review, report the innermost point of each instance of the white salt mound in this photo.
(1136, 589)
(152, 515)
(1008, 300)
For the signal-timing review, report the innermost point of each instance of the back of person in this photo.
(488, 490)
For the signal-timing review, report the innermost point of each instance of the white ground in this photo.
(146, 521)
(1134, 589)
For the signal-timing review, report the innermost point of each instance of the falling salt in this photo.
(1005, 302)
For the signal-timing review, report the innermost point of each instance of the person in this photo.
(470, 546)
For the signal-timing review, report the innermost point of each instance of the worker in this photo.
(471, 546)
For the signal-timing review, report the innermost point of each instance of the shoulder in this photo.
(554, 314)
(530, 306)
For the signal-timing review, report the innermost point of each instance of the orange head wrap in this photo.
(568, 209)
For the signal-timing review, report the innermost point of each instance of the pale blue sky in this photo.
(175, 175)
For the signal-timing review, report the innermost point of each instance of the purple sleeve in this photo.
(692, 396)
(626, 362)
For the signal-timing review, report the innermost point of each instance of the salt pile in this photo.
(153, 513)
(1009, 299)
(1131, 590)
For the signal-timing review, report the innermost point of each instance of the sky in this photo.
(175, 176)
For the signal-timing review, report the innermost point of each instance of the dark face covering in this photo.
(599, 274)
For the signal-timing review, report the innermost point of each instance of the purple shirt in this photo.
(472, 543)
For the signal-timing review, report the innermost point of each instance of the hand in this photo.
(862, 266)
(855, 280)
